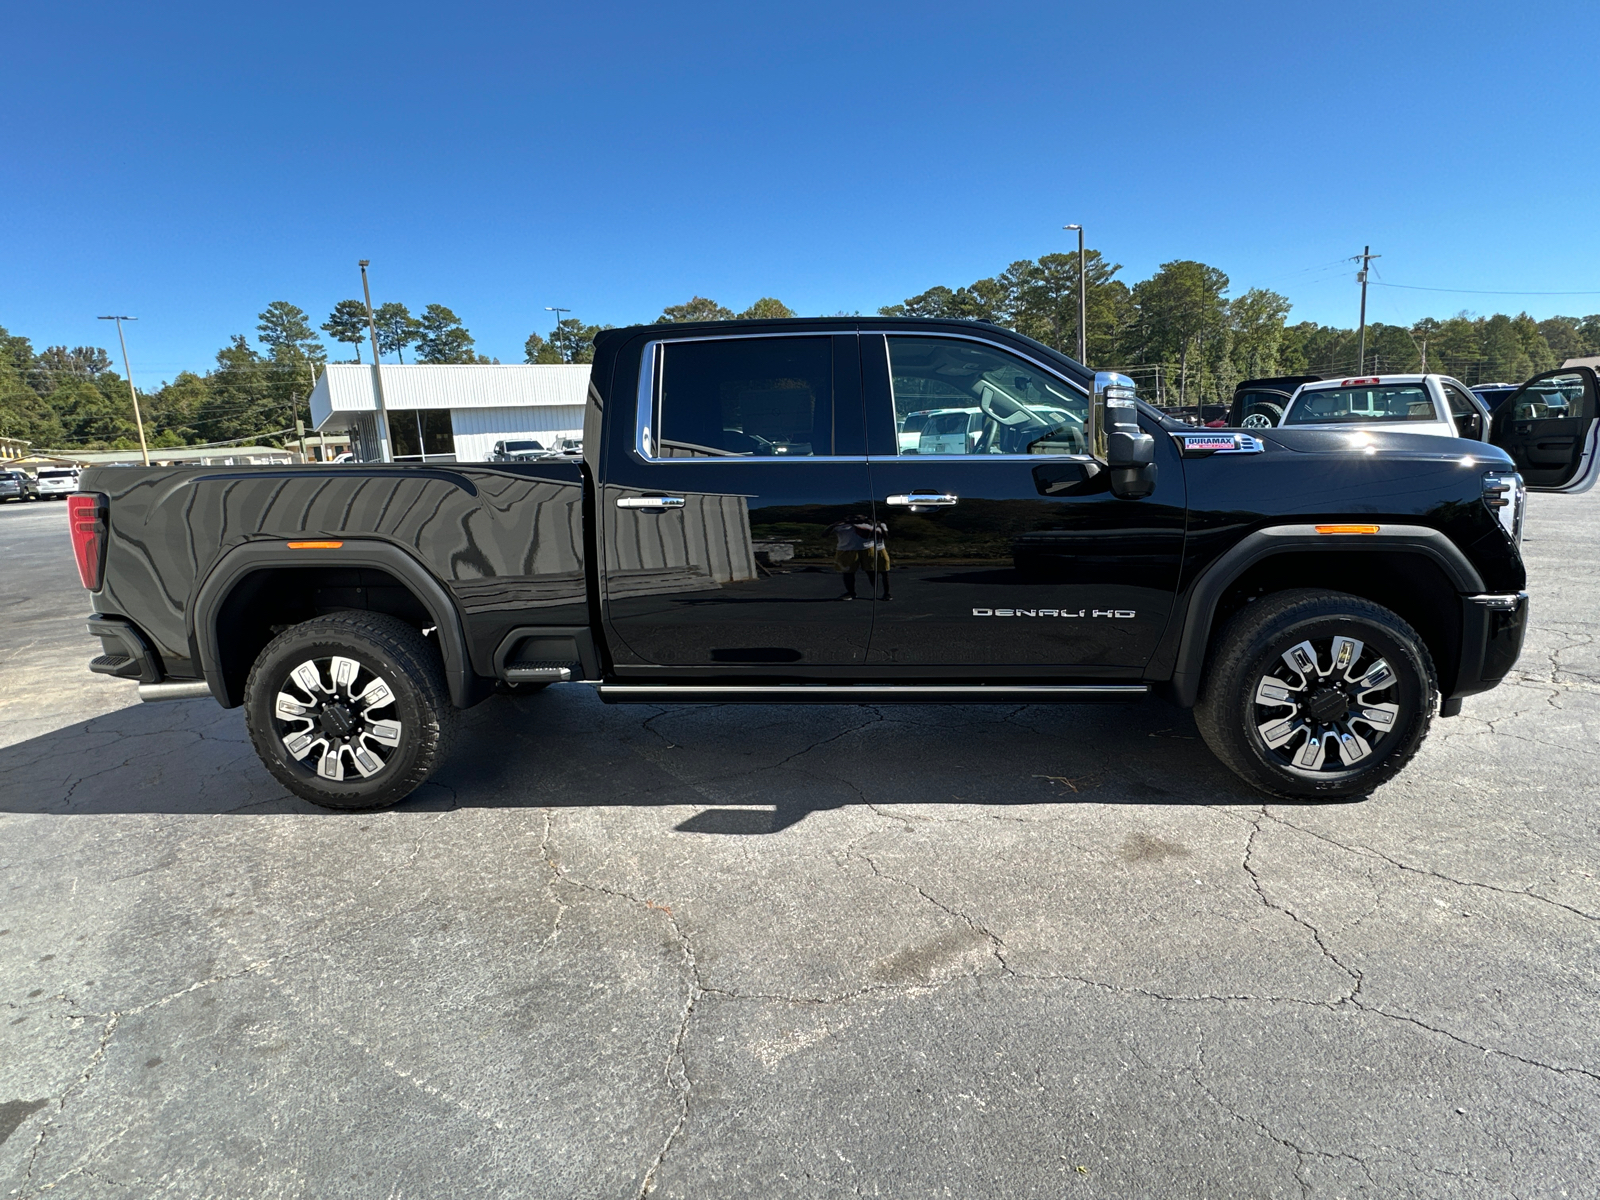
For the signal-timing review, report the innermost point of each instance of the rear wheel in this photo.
(1317, 694)
(349, 710)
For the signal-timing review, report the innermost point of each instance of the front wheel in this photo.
(1317, 694)
(349, 710)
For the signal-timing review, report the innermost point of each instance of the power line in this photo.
(1411, 287)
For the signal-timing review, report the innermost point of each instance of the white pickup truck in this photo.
(1435, 404)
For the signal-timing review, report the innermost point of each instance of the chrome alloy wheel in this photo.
(1257, 421)
(326, 708)
(1326, 692)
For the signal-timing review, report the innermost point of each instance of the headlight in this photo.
(1507, 498)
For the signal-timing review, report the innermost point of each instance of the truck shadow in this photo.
(742, 769)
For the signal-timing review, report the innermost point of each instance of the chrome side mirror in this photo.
(1118, 440)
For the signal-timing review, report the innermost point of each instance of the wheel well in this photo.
(1410, 585)
(267, 601)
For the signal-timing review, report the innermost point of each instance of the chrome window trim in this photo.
(651, 361)
(970, 337)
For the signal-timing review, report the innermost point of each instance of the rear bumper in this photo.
(1492, 629)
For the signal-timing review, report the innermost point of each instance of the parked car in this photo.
(517, 451)
(1425, 404)
(1494, 395)
(56, 483)
(1316, 604)
(17, 485)
(950, 431)
(1260, 403)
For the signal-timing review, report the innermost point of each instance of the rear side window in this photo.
(747, 398)
(1355, 405)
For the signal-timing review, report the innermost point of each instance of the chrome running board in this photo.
(867, 693)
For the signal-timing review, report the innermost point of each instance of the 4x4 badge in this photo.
(1124, 614)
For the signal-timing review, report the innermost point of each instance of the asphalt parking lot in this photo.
(755, 951)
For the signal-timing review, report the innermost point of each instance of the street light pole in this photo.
(1083, 300)
(377, 372)
(144, 451)
(561, 334)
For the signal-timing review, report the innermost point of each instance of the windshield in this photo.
(520, 447)
(1371, 402)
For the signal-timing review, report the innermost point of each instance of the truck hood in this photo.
(1418, 446)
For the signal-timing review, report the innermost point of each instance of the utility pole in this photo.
(561, 334)
(1365, 259)
(1083, 300)
(377, 372)
(144, 451)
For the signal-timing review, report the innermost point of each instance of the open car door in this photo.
(1549, 427)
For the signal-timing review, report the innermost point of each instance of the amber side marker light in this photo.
(1347, 528)
(314, 545)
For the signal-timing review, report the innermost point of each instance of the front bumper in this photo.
(1492, 629)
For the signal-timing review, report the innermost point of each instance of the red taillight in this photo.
(86, 511)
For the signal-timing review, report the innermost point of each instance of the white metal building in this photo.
(451, 412)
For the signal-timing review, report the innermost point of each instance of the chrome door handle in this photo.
(650, 502)
(924, 500)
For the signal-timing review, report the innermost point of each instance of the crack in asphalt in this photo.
(1370, 852)
(1300, 1152)
(676, 1068)
(1261, 891)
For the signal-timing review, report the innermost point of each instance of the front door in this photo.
(1010, 551)
(1548, 426)
(728, 502)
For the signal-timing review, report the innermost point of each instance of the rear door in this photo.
(1548, 426)
(1011, 552)
(731, 505)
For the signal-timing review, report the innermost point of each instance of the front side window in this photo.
(1362, 404)
(747, 398)
(953, 396)
(1553, 396)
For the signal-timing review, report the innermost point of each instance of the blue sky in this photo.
(187, 164)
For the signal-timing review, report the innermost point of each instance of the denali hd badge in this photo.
(1125, 614)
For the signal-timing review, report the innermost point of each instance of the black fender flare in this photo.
(245, 559)
(1207, 590)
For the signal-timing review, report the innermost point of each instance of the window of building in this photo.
(421, 434)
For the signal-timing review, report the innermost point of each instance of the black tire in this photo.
(1270, 413)
(1297, 747)
(351, 735)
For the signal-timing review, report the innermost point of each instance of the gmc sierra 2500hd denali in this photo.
(746, 523)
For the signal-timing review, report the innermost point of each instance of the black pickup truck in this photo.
(748, 524)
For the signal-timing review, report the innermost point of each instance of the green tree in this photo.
(443, 338)
(286, 332)
(1257, 321)
(768, 308)
(240, 400)
(170, 411)
(348, 323)
(397, 329)
(698, 308)
(1182, 314)
(571, 341)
